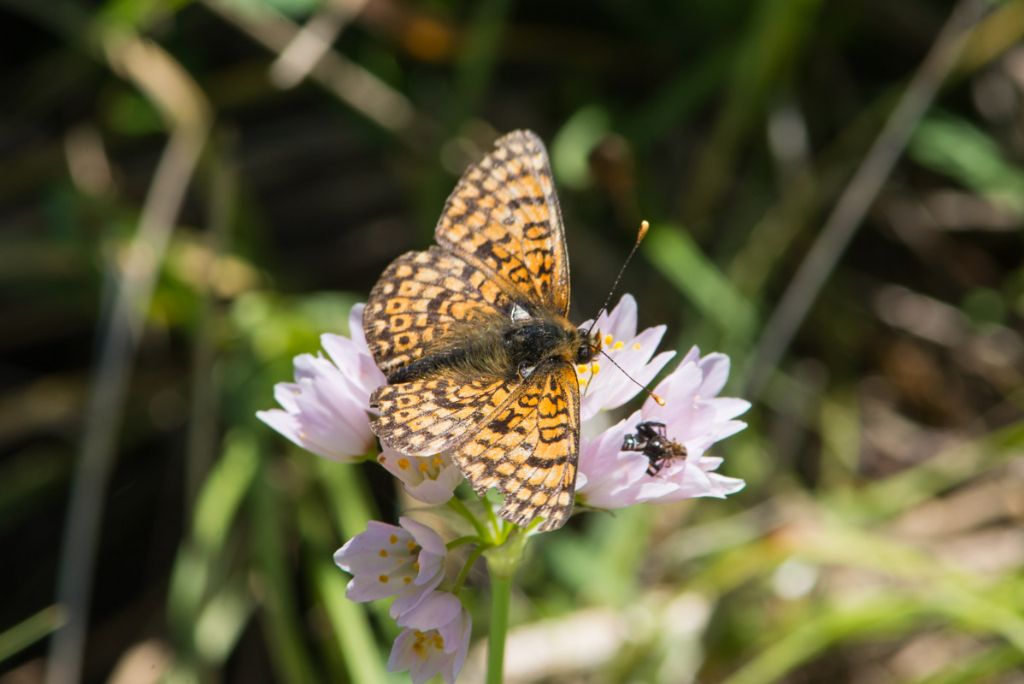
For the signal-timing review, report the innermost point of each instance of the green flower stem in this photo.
(501, 595)
(495, 523)
(502, 562)
(460, 541)
(457, 505)
(470, 561)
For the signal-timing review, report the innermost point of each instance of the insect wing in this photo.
(504, 215)
(529, 448)
(419, 297)
(430, 415)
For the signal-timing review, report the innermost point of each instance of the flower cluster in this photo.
(407, 562)
(326, 410)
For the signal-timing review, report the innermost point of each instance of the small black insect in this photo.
(652, 441)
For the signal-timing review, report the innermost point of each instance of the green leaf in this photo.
(956, 148)
(679, 258)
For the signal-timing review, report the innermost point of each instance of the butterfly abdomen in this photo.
(509, 351)
(452, 358)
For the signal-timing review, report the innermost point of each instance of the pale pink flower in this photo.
(385, 560)
(435, 639)
(602, 385)
(326, 409)
(694, 416)
(430, 479)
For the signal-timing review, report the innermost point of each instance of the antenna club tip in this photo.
(644, 227)
(658, 400)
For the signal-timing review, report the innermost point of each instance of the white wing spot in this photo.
(519, 313)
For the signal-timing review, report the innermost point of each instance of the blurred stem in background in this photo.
(862, 191)
(130, 284)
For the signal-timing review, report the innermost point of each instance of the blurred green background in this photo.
(836, 191)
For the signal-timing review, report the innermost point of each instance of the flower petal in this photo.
(326, 410)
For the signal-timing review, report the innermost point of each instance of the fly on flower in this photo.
(652, 440)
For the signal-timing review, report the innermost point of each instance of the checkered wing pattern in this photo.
(528, 448)
(425, 417)
(419, 297)
(504, 215)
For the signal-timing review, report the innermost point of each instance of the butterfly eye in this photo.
(587, 351)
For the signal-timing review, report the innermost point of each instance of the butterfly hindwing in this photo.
(504, 215)
(427, 416)
(528, 449)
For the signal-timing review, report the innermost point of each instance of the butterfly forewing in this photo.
(504, 214)
(419, 297)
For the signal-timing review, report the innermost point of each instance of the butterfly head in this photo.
(588, 346)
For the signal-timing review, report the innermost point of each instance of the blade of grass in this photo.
(947, 469)
(34, 628)
(280, 619)
(776, 34)
(679, 258)
(874, 618)
(347, 496)
(216, 510)
(478, 57)
(225, 489)
(978, 667)
(186, 114)
(689, 89)
(353, 636)
(202, 422)
(222, 622)
(861, 192)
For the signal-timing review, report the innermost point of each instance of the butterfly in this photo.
(474, 340)
(652, 440)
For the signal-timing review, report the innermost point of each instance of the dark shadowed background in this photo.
(192, 191)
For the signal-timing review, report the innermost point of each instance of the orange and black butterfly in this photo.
(473, 337)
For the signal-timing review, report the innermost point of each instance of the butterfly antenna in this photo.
(658, 400)
(640, 235)
(644, 226)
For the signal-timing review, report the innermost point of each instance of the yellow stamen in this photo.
(383, 553)
(595, 368)
(393, 539)
(608, 339)
(403, 463)
(383, 579)
(636, 345)
(619, 345)
(581, 369)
